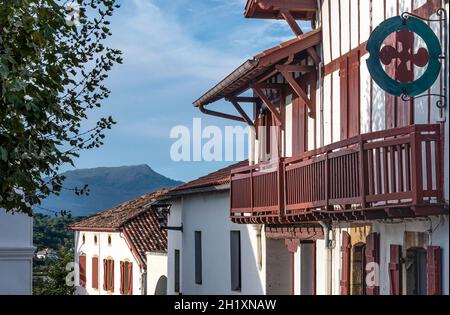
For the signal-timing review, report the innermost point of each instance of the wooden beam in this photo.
(295, 68)
(243, 113)
(298, 90)
(243, 99)
(267, 102)
(268, 85)
(286, 14)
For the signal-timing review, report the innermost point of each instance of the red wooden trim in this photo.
(395, 270)
(75, 228)
(82, 270)
(434, 270)
(133, 249)
(95, 272)
(345, 264)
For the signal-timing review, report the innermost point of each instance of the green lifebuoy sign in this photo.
(404, 56)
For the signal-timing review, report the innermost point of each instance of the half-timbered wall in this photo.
(348, 102)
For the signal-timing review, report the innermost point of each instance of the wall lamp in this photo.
(162, 212)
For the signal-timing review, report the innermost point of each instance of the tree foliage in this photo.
(52, 232)
(57, 276)
(53, 64)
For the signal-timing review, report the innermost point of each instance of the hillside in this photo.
(109, 186)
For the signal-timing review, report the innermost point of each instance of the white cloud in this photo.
(155, 42)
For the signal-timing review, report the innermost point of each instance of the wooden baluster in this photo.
(400, 168)
(428, 164)
(362, 174)
(416, 161)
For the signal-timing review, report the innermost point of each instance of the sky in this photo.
(173, 52)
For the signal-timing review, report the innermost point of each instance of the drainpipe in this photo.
(329, 247)
(219, 114)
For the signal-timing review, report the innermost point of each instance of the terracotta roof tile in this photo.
(145, 235)
(116, 217)
(136, 219)
(216, 178)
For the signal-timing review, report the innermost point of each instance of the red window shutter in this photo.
(344, 91)
(122, 279)
(373, 256)
(434, 270)
(354, 97)
(82, 269)
(395, 270)
(130, 278)
(112, 275)
(345, 272)
(95, 272)
(105, 274)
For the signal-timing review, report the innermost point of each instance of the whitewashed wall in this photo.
(16, 253)
(209, 213)
(118, 250)
(156, 273)
(175, 242)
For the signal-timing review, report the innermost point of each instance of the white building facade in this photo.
(111, 249)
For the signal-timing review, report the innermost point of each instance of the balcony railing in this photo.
(389, 169)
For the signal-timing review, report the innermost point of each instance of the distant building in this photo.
(16, 253)
(111, 249)
(46, 253)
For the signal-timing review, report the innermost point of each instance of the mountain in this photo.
(109, 186)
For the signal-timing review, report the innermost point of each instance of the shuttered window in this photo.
(395, 270)
(373, 261)
(126, 277)
(198, 257)
(177, 271)
(108, 275)
(235, 256)
(349, 72)
(95, 272)
(345, 264)
(434, 270)
(82, 270)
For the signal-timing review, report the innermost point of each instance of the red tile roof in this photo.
(136, 220)
(216, 178)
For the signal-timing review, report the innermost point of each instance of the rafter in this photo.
(286, 14)
(242, 112)
(258, 90)
(297, 89)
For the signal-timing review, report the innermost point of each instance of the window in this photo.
(109, 240)
(235, 255)
(307, 268)
(108, 274)
(198, 257)
(83, 239)
(177, 271)
(95, 272)
(358, 269)
(126, 277)
(95, 239)
(416, 271)
(82, 270)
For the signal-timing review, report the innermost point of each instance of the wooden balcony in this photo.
(385, 174)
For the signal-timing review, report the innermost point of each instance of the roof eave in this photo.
(199, 190)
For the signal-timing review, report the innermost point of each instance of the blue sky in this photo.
(173, 52)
